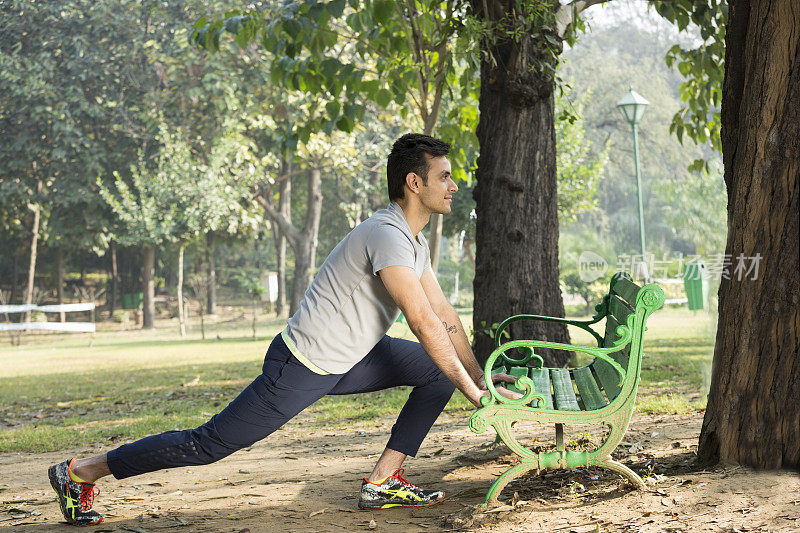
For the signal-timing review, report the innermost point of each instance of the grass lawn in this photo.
(59, 391)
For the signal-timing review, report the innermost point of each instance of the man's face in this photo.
(437, 193)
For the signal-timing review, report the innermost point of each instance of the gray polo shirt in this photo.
(347, 309)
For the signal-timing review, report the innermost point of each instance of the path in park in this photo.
(307, 480)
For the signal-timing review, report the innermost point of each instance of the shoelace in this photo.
(87, 495)
(399, 476)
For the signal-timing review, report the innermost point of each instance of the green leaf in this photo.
(370, 87)
(330, 68)
(345, 124)
(292, 27)
(383, 97)
(336, 7)
(382, 11)
(333, 109)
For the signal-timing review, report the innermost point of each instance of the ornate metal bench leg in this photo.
(507, 476)
(626, 472)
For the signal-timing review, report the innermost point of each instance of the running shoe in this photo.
(396, 491)
(75, 498)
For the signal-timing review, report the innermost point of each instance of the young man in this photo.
(336, 343)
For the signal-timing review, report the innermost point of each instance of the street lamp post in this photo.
(632, 107)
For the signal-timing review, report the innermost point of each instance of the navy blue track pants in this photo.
(285, 388)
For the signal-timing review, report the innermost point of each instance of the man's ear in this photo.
(413, 182)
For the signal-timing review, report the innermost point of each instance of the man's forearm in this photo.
(438, 344)
(458, 337)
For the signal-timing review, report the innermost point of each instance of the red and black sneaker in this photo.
(396, 491)
(75, 498)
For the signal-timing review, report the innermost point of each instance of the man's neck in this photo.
(416, 215)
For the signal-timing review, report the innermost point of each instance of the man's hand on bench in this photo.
(499, 378)
(496, 378)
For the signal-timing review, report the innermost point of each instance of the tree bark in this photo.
(516, 269)
(34, 244)
(753, 413)
(148, 287)
(211, 276)
(284, 208)
(179, 292)
(60, 281)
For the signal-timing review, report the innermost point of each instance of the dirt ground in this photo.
(302, 479)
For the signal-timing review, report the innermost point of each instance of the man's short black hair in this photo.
(408, 155)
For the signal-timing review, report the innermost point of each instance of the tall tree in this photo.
(379, 51)
(753, 413)
(516, 266)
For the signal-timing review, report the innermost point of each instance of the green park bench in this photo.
(602, 392)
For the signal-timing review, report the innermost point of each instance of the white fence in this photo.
(84, 327)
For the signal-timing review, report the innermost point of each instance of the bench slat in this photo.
(621, 356)
(608, 378)
(619, 309)
(626, 289)
(590, 393)
(541, 383)
(564, 392)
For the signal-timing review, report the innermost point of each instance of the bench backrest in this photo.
(621, 303)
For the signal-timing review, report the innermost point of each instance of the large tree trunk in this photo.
(753, 414)
(211, 276)
(60, 281)
(148, 287)
(285, 209)
(179, 292)
(34, 244)
(516, 268)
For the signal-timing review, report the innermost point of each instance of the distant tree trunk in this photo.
(34, 243)
(303, 242)
(753, 413)
(114, 276)
(516, 268)
(179, 292)
(285, 209)
(60, 280)
(148, 287)
(305, 248)
(14, 277)
(211, 276)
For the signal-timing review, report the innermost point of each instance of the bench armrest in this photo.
(525, 383)
(601, 308)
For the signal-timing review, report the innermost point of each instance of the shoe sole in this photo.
(51, 473)
(389, 505)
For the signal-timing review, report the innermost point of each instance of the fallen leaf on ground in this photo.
(315, 513)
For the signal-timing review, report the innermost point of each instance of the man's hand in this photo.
(499, 378)
(496, 378)
(502, 392)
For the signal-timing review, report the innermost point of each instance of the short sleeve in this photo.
(389, 246)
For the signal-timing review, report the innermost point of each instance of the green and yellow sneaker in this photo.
(74, 497)
(396, 491)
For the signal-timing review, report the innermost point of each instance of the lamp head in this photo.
(632, 107)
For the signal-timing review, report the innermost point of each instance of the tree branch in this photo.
(568, 13)
(288, 229)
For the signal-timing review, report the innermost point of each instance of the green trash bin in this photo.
(132, 300)
(695, 281)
